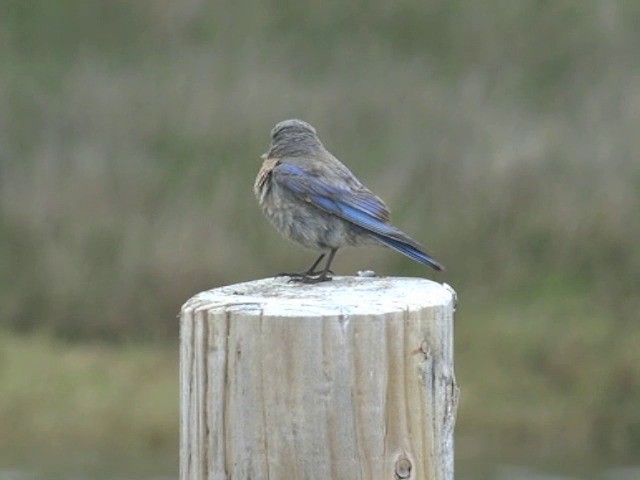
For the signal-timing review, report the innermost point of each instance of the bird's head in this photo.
(294, 137)
(291, 128)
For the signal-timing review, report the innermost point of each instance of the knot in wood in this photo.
(403, 467)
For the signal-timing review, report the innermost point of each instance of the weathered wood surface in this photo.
(349, 379)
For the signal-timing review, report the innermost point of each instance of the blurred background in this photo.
(503, 134)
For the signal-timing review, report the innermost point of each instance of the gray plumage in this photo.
(314, 200)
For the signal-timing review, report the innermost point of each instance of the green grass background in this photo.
(503, 134)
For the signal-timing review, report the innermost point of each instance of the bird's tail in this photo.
(409, 249)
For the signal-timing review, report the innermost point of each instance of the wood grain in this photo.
(350, 379)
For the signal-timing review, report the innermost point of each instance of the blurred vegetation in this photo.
(504, 135)
(81, 403)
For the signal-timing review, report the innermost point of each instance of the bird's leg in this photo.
(323, 277)
(310, 272)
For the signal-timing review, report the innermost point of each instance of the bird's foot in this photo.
(296, 275)
(291, 274)
(310, 279)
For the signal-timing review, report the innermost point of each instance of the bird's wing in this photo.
(360, 207)
(356, 205)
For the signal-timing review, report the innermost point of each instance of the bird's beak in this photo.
(263, 156)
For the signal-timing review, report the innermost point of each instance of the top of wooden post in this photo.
(341, 296)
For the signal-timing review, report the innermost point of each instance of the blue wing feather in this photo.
(361, 208)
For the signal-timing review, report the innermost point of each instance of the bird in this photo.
(314, 200)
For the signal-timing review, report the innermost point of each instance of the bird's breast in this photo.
(261, 185)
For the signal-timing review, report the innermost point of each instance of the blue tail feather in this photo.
(409, 250)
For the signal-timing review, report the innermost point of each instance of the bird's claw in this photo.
(295, 275)
(310, 279)
(287, 274)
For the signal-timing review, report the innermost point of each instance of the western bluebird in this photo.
(314, 200)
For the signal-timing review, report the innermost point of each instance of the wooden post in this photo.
(348, 379)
